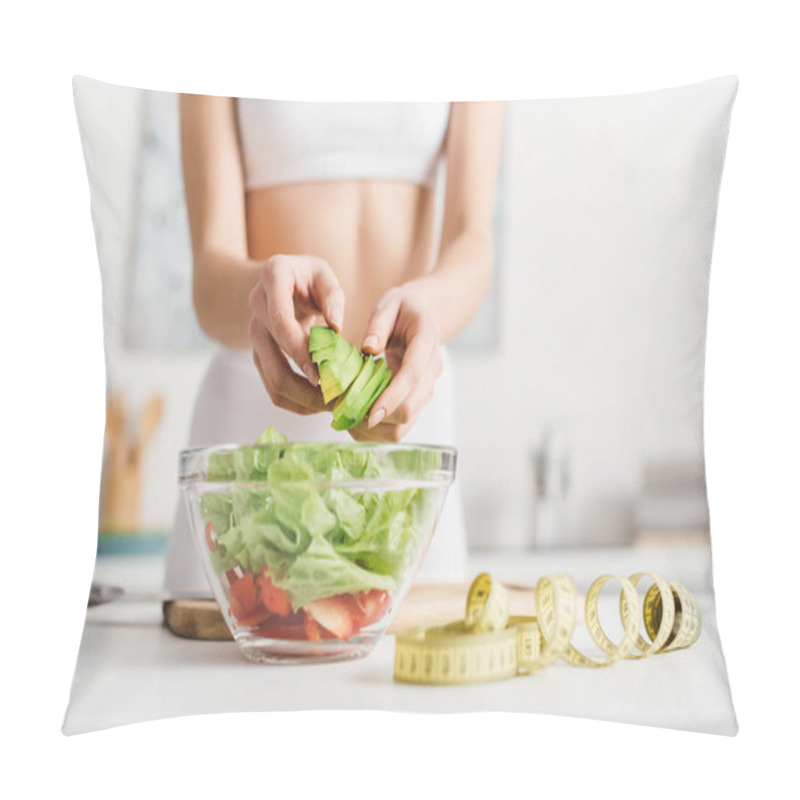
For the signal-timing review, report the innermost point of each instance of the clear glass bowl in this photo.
(311, 548)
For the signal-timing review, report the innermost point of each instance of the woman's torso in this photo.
(375, 231)
(374, 235)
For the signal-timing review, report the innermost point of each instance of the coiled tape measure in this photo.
(490, 645)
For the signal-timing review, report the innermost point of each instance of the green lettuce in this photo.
(316, 540)
(321, 572)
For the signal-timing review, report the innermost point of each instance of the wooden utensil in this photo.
(122, 481)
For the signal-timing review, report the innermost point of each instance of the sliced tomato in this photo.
(273, 597)
(233, 575)
(337, 614)
(211, 537)
(245, 604)
(244, 592)
(289, 627)
(255, 617)
(311, 628)
(372, 606)
(314, 631)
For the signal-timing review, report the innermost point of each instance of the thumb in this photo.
(381, 324)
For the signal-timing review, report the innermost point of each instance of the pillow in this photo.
(575, 401)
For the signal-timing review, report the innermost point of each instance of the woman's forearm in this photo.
(453, 292)
(456, 287)
(220, 291)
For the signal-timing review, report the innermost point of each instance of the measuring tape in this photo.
(489, 645)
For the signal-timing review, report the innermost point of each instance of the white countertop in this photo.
(131, 668)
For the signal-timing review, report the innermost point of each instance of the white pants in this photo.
(232, 407)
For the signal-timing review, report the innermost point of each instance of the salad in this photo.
(302, 549)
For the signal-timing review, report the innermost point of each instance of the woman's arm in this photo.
(458, 284)
(240, 302)
(411, 320)
(223, 275)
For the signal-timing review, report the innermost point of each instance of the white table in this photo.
(130, 668)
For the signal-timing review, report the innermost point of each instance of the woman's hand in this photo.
(292, 294)
(403, 326)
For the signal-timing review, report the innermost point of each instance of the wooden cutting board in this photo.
(196, 619)
(425, 604)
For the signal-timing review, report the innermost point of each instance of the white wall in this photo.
(610, 206)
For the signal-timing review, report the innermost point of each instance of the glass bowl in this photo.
(310, 548)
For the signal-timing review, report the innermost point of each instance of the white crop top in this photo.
(292, 142)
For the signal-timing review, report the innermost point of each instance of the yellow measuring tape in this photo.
(489, 645)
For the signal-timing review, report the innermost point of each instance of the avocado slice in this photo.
(365, 397)
(319, 337)
(357, 380)
(329, 353)
(337, 351)
(379, 391)
(336, 376)
(350, 402)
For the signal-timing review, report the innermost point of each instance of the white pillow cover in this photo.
(607, 214)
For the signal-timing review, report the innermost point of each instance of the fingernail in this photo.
(337, 316)
(376, 417)
(310, 374)
(370, 342)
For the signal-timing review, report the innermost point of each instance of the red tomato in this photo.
(255, 617)
(314, 632)
(372, 606)
(272, 597)
(337, 614)
(311, 628)
(244, 592)
(211, 537)
(233, 575)
(244, 601)
(288, 627)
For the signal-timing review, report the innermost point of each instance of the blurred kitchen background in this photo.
(580, 387)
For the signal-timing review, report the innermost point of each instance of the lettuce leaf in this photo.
(318, 541)
(321, 572)
(349, 513)
(216, 509)
(271, 436)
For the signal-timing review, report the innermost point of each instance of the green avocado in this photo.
(349, 403)
(319, 337)
(335, 376)
(367, 396)
(357, 380)
(328, 353)
(379, 391)
(337, 351)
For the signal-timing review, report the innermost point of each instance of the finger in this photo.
(417, 358)
(360, 434)
(285, 404)
(282, 384)
(278, 315)
(381, 324)
(259, 303)
(327, 293)
(380, 433)
(407, 412)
